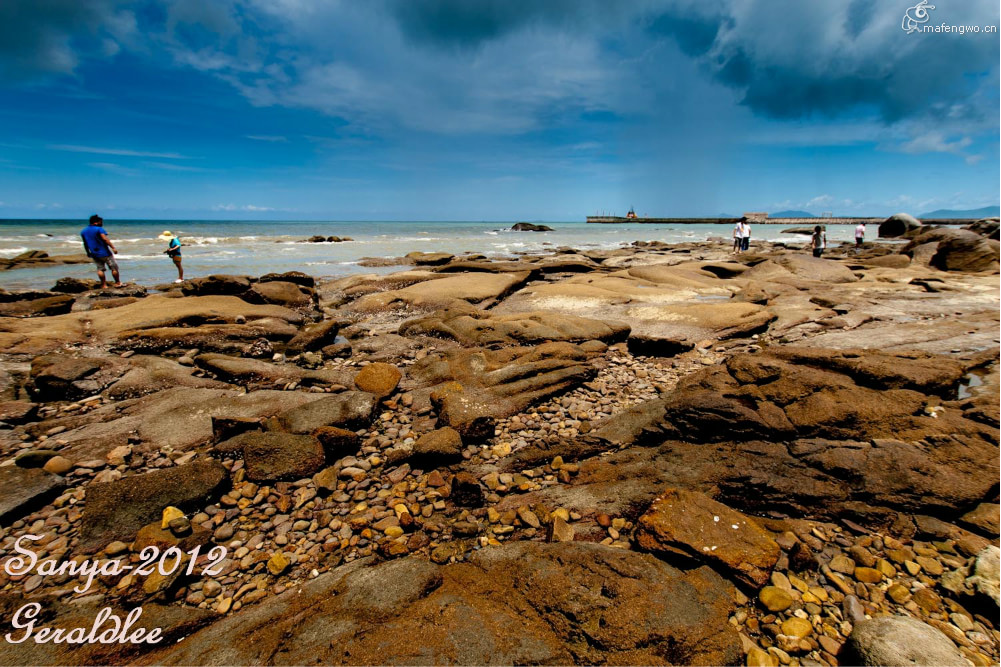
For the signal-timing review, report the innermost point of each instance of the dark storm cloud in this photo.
(794, 59)
(40, 37)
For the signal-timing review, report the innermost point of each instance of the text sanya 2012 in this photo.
(107, 627)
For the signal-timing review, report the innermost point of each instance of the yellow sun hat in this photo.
(166, 236)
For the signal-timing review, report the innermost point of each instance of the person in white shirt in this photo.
(738, 230)
(746, 240)
(859, 236)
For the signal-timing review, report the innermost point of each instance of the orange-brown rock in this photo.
(696, 526)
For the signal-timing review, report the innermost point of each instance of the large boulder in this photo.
(951, 249)
(378, 378)
(692, 525)
(899, 640)
(965, 251)
(117, 510)
(273, 456)
(898, 224)
(988, 228)
(523, 603)
(443, 445)
(71, 285)
(530, 227)
(297, 277)
(314, 336)
(216, 284)
(281, 293)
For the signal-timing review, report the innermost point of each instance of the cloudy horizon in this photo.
(492, 109)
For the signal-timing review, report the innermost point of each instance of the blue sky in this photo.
(492, 109)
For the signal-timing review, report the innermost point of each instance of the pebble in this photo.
(774, 598)
(797, 627)
(58, 465)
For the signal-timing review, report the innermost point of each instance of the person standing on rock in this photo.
(859, 236)
(100, 249)
(174, 252)
(738, 241)
(745, 240)
(818, 241)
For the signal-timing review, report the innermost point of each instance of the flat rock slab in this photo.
(481, 288)
(349, 409)
(257, 372)
(149, 374)
(170, 315)
(567, 603)
(781, 434)
(696, 526)
(117, 510)
(194, 409)
(25, 490)
(478, 327)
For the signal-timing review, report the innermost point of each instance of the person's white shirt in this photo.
(746, 232)
(860, 232)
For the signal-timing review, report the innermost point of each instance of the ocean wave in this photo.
(12, 252)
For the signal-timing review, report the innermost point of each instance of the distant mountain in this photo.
(985, 212)
(791, 214)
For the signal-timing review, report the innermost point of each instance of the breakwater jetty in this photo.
(618, 219)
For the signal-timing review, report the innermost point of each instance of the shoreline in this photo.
(614, 220)
(451, 428)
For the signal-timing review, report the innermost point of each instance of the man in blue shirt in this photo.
(100, 249)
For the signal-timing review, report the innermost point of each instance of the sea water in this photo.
(259, 247)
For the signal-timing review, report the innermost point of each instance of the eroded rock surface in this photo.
(523, 603)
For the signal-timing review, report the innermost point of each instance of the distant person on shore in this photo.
(100, 249)
(738, 240)
(818, 241)
(859, 236)
(174, 252)
(745, 240)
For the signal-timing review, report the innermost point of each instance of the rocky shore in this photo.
(662, 454)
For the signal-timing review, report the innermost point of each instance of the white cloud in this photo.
(268, 138)
(250, 208)
(124, 152)
(113, 168)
